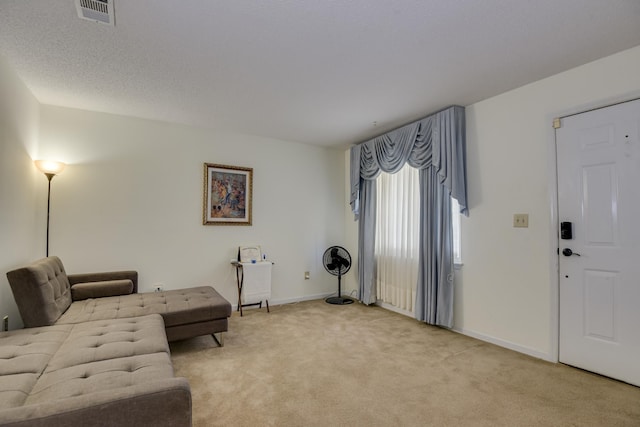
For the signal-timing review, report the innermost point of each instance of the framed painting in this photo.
(227, 197)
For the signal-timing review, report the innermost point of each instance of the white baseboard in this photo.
(274, 302)
(506, 344)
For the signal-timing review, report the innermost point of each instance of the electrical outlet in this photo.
(521, 220)
(5, 323)
(159, 287)
(307, 275)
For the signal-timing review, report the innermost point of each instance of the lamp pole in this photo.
(50, 169)
(49, 177)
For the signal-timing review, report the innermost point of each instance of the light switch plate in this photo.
(521, 220)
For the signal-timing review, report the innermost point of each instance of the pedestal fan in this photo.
(337, 261)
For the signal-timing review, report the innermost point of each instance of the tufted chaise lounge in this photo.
(46, 295)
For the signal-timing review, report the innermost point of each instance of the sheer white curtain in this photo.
(397, 237)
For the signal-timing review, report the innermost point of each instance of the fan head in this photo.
(336, 260)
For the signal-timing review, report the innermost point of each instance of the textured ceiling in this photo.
(313, 71)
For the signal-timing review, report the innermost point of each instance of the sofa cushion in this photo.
(115, 372)
(110, 339)
(105, 276)
(43, 284)
(104, 288)
(24, 355)
(177, 307)
(105, 355)
(102, 375)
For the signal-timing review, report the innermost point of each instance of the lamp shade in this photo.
(49, 166)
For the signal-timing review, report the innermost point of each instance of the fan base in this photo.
(339, 300)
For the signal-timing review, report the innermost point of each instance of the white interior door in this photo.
(598, 157)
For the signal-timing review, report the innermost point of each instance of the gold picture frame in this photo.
(228, 195)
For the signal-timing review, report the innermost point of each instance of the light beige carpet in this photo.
(315, 364)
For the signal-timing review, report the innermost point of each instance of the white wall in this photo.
(19, 242)
(131, 198)
(505, 289)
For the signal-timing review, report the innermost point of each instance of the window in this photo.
(397, 236)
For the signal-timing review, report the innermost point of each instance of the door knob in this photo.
(569, 252)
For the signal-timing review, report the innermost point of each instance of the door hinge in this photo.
(556, 123)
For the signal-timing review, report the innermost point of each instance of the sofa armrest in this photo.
(165, 402)
(105, 276)
(107, 288)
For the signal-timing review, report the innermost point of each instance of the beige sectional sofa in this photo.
(95, 352)
(46, 295)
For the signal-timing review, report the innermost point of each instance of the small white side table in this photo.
(240, 281)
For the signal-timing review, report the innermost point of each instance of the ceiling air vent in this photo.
(96, 10)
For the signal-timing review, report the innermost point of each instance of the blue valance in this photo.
(437, 140)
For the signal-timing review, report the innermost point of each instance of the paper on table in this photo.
(249, 253)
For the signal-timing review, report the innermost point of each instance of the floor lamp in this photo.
(50, 169)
